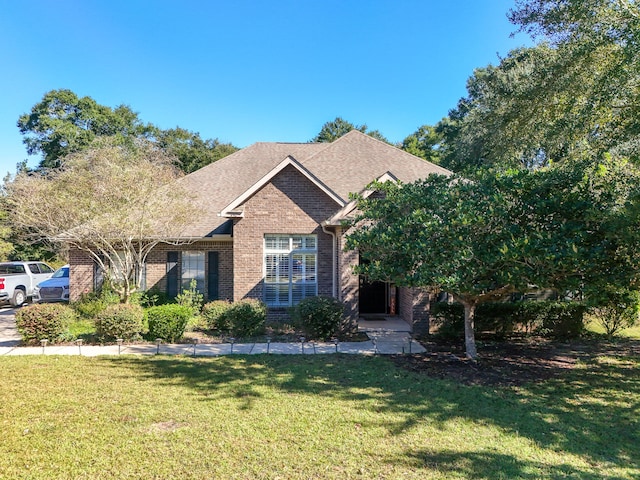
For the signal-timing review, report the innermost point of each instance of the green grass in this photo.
(309, 417)
(594, 326)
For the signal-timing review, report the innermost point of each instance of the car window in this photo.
(44, 268)
(9, 268)
(34, 268)
(61, 273)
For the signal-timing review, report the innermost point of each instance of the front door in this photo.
(373, 297)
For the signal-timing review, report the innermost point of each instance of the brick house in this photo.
(272, 229)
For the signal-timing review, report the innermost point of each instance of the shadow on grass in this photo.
(591, 412)
(495, 465)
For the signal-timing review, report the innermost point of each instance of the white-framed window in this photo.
(193, 269)
(290, 269)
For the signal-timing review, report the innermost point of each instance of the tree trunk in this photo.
(469, 333)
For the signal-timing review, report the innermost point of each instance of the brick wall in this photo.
(414, 308)
(82, 267)
(349, 282)
(157, 265)
(80, 273)
(289, 204)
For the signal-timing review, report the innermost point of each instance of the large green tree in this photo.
(63, 123)
(424, 143)
(334, 129)
(571, 228)
(575, 94)
(190, 150)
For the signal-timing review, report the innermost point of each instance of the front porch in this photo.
(389, 333)
(383, 323)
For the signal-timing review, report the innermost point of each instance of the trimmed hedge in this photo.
(246, 317)
(320, 317)
(215, 316)
(168, 322)
(124, 321)
(42, 321)
(559, 320)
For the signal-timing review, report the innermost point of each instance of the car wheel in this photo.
(18, 298)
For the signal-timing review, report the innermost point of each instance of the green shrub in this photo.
(168, 322)
(616, 309)
(554, 319)
(319, 317)
(92, 303)
(191, 297)
(42, 321)
(152, 298)
(498, 317)
(246, 317)
(120, 321)
(448, 320)
(214, 314)
(563, 320)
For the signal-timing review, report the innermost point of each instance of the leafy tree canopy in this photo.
(571, 228)
(108, 200)
(190, 150)
(572, 96)
(62, 123)
(333, 130)
(424, 143)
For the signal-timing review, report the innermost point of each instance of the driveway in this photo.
(9, 336)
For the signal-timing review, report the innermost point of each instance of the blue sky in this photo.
(246, 71)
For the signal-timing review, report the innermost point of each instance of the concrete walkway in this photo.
(9, 336)
(381, 341)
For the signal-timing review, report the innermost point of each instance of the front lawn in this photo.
(301, 417)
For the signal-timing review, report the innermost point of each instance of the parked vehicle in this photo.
(18, 280)
(54, 289)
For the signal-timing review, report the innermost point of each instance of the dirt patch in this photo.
(165, 427)
(511, 363)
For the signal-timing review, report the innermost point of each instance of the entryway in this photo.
(377, 298)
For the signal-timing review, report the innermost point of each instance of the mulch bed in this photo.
(511, 362)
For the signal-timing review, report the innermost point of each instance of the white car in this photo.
(55, 289)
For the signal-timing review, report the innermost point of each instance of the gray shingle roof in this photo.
(345, 166)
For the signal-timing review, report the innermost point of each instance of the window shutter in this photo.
(213, 280)
(173, 274)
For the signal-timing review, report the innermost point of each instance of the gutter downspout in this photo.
(333, 260)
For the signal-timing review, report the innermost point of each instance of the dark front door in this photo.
(373, 296)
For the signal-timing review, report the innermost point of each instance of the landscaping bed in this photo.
(512, 362)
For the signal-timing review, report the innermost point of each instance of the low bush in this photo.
(191, 297)
(554, 319)
(563, 320)
(447, 319)
(498, 317)
(120, 321)
(42, 321)
(92, 303)
(152, 298)
(616, 309)
(168, 322)
(319, 317)
(246, 317)
(214, 314)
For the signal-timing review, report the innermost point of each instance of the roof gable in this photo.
(344, 213)
(231, 210)
(340, 168)
(351, 162)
